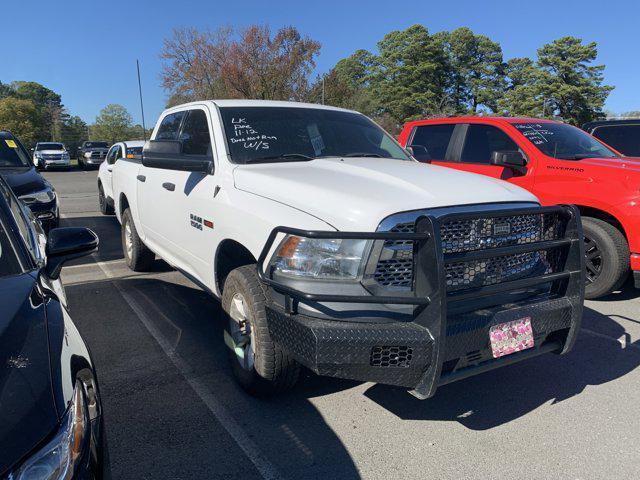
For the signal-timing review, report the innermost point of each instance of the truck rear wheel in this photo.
(138, 257)
(607, 257)
(259, 365)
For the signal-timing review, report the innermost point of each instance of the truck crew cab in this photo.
(559, 164)
(330, 247)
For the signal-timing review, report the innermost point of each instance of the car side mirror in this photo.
(508, 158)
(420, 153)
(64, 244)
(167, 154)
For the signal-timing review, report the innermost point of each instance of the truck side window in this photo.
(481, 140)
(168, 129)
(112, 155)
(435, 138)
(195, 134)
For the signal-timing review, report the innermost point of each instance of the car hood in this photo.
(27, 407)
(23, 180)
(51, 152)
(101, 150)
(357, 193)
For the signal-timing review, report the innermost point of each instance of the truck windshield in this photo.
(12, 154)
(276, 134)
(562, 141)
(49, 146)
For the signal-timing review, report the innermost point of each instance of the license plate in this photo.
(511, 337)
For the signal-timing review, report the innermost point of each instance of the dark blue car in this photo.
(51, 424)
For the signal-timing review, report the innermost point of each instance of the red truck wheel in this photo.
(607, 257)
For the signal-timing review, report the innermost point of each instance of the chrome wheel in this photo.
(128, 240)
(242, 338)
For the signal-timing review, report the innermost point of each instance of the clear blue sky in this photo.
(86, 50)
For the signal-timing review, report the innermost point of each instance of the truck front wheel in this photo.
(259, 365)
(607, 257)
(138, 257)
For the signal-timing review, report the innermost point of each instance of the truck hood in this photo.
(358, 193)
(624, 163)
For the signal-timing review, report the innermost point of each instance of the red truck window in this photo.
(435, 138)
(481, 140)
(624, 138)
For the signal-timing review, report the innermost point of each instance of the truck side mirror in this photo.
(419, 152)
(167, 154)
(508, 158)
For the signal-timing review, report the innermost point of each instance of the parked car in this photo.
(92, 154)
(131, 150)
(331, 247)
(51, 423)
(559, 164)
(623, 135)
(19, 172)
(50, 154)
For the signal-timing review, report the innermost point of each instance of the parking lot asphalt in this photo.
(172, 409)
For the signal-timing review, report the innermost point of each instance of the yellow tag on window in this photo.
(11, 143)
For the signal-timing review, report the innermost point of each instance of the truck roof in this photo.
(262, 103)
(483, 119)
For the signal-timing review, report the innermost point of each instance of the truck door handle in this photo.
(169, 186)
(141, 178)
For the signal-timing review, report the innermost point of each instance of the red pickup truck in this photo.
(559, 164)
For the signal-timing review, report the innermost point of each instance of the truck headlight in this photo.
(42, 196)
(327, 259)
(65, 156)
(87, 155)
(59, 458)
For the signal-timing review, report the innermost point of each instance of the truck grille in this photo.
(98, 154)
(52, 156)
(395, 268)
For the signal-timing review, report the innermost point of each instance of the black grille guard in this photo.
(430, 297)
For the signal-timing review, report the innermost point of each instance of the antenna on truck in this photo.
(144, 127)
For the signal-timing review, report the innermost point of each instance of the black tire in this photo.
(105, 208)
(81, 164)
(273, 370)
(607, 257)
(139, 258)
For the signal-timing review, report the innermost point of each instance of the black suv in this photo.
(92, 154)
(623, 135)
(18, 171)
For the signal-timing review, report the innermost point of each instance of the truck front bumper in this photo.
(402, 353)
(447, 338)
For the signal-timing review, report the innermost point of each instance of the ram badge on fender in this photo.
(331, 247)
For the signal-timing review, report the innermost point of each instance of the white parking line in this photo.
(267, 469)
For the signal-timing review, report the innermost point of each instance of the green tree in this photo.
(476, 70)
(523, 95)
(409, 76)
(74, 131)
(113, 124)
(572, 86)
(48, 105)
(20, 117)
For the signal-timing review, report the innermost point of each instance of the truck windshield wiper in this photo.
(361, 154)
(284, 156)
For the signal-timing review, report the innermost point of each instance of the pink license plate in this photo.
(511, 337)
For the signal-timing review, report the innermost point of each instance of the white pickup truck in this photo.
(331, 247)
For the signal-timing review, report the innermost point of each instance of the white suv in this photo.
(50, 154)
(331, 247)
